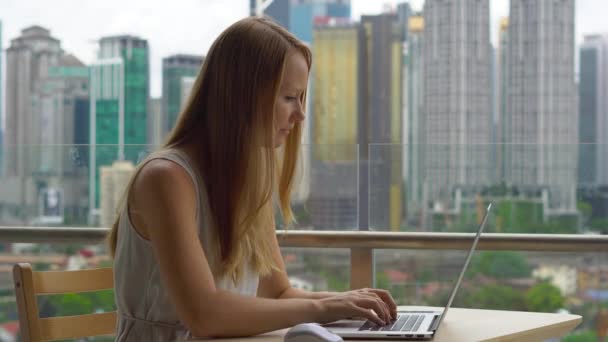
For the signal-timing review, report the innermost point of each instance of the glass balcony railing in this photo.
(398, 217)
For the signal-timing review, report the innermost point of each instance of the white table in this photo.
(477, 325)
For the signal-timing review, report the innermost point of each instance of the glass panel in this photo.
(327, 192)
(534, 188)
(574, 283)
(318, 269)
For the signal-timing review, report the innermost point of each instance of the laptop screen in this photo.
(464, 268)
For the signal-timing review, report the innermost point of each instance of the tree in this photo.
(496, 297)
(582, 336)
(544, 297)
(500, 265)
(599, 224)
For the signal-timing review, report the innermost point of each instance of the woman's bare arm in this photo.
(164, 201)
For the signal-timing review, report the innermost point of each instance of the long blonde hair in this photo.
(230, 118)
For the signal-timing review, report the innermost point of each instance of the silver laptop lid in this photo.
(464, 268)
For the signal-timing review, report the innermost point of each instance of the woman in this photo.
(194, 246)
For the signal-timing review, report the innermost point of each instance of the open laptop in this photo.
(409, 325)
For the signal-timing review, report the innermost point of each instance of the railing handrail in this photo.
(350, 239)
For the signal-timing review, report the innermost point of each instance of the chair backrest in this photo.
(29, 284)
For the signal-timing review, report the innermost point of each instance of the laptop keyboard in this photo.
(402, 323)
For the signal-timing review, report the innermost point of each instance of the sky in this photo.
(190, 26)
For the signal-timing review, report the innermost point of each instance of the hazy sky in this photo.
(189, 26)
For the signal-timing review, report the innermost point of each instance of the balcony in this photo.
(384, 217)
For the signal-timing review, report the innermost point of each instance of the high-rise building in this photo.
(279, 11)
(338, 104)
(119, 105)
(156, 131)
(413, 121)
(501, 100)
(114, 179)
(357, 102)
(300, 16)
(28, 58)
(380, 134)
(1, 99)
(187, 84)
(175, 69)
(457, 101)
(593, 109)
(28, 61)
(61, 104)
(541, 116)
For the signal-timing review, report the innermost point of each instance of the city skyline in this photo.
(100, 19)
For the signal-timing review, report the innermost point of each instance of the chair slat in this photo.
(55, 282)
(60, 328)
(26, 302)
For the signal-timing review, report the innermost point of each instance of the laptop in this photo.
(409, 325)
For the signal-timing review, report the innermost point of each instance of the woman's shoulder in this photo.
(161, 176)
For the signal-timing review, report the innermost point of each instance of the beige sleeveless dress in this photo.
(145, 312)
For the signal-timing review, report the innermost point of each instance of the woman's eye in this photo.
(290, 98)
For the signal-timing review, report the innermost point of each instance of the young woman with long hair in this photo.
(194, 245)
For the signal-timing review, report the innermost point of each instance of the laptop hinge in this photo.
(434, 323)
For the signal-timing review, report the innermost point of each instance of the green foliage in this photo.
(544, 297)
(77, 303)
(335, 282)
(599, 224)
(382, 281)
(500, 265)
(584, 208)
(497, 297)
(582, 336)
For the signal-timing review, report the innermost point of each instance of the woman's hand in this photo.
(359, 303)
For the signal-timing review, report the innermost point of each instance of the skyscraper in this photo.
(28, 60)
(501, 80)
(413, 122)
(380, 134)
(1, 100)
(175, 68)
(593, 109)
(457, 100)
(357, 102)
(113, 178)
(338, 104)
(541, 114)
(299, 16)
(119, 105)
(60, 102)
(156, 130)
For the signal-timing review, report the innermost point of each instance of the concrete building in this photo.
(28, 61)
(357, 124)
(156, 131)
(541, 120)
(114, 180)
(47, 106)
(501, 85)
(457, 101)
(176, 69)
(593, 111)
(413, 122)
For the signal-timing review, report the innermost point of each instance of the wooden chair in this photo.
(29, 284)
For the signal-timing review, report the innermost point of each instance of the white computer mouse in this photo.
(310, 332)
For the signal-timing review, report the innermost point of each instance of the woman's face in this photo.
(288, 107)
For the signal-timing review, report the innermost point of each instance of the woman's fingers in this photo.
(369, 315)
(388, 299)
(376, 304)
(386, 313)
